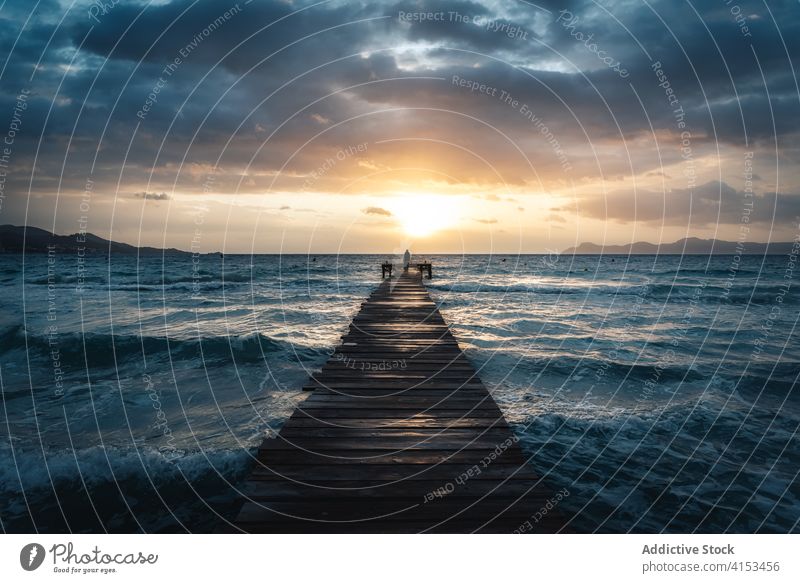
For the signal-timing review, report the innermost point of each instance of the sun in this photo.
(422, 215)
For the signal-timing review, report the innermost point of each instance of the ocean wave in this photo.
(120, 489)
(199, 288)
(709, 272)
(201, 277)
(164, 278)
(478, 287)
(674, 468)
(673, 292)
(75, 349)
(94, 465)
(60, 279)
(563, 364)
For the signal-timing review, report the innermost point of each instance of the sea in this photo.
(658, 393)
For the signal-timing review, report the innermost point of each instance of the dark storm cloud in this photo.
(710, 203)
(93, 111)
(158, 34)
(463, 24)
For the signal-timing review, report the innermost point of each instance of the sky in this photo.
(369, 127)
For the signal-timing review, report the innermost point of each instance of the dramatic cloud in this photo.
(152, 195)
(509, 102)
(709, 204)
(374, 210)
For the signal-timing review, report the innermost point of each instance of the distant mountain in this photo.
(689, 246)
(14, 239)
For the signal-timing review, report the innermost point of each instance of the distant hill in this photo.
(688, 246)
(14, 239)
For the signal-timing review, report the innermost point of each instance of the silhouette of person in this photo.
(406, 260)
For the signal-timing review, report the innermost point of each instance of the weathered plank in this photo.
(398, 435)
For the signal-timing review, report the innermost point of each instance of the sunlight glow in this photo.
(421, 215)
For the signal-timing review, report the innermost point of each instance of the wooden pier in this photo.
(398, 435)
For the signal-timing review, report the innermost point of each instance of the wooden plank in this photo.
(431, 459)
(334, 413)
(397, 413)
(434, 423)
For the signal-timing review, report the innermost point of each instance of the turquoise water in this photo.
(661, 392)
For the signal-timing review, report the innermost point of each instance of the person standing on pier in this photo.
(406, 260)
